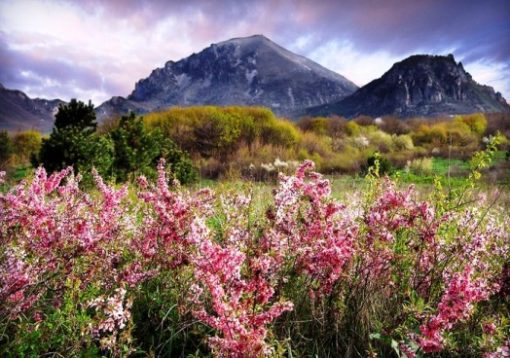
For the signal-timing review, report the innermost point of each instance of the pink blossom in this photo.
(455, 305)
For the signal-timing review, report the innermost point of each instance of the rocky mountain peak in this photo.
(241, 71)
(420, 85)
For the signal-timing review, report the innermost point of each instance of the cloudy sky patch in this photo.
(93, 49)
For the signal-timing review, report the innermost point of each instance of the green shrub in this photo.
(220, 131)
(476, 122)
(353, 129)
(378, 164)
(317, 125)
(382, 141)
(137, 151)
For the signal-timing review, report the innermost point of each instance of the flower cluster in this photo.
(319, 234)
(310, 263)
(115, 314)
(455, 305)
(241, 304)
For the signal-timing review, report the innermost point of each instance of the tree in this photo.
(76, 114)
(73, 141)
(138, 150)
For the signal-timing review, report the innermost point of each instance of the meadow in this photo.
(259, 254)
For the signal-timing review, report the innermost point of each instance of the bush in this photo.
(219, 131)
(317, 125)
(402, 142)
(352, 129)
(394, 125)
(421, 166)
(476, 122)
(383, 142)
(6, 149)
(378, 164)
(27, 145)
(209, 133)
(71, 147)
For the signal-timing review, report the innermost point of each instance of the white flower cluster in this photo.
(278, 165)
(361, 142)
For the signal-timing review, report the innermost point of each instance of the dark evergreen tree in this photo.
(73, 141)
(138, 150)
(78, 115)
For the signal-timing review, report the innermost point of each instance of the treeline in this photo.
(123, 153)
(250, 142)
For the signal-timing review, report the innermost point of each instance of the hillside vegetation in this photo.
(252, 143)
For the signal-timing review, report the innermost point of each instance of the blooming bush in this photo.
(167, 271)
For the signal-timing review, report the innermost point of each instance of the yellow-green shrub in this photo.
(353, 129)
(26, 144)
(476, 122)
(313, 143)
(210, 131)
(421, 166)
(402, 142)
(382, 141)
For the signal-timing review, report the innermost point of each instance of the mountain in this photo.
(241, 71)
(19, 112)
(420, 85)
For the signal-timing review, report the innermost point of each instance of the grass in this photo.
(452, 171)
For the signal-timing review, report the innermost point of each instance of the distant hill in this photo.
(19, 112)
(421, 85)
(241, 71)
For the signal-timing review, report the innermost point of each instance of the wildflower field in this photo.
(159, 269)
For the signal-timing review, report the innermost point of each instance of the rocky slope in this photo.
(241, 71)
(419, 85)
(19, 112)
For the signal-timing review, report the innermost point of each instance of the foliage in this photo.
(219, 131)
(173, 272)
(137, 151)
(27, 145)
(76, 114)
(402, 142)
(421, 166)
(6, 149)
(476, 122)
(69, 146)
(73, 141)
(382, 165)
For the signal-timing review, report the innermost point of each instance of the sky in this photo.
(96, 49)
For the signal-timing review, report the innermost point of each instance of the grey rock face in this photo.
(419, 85)
(241, 71)
(19, 112)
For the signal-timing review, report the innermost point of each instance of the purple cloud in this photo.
(102, 48)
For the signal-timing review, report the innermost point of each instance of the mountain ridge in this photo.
(20, 112)
(420, 85)
(241, 71)
(257, 71)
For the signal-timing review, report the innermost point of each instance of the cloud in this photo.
(101, 48)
